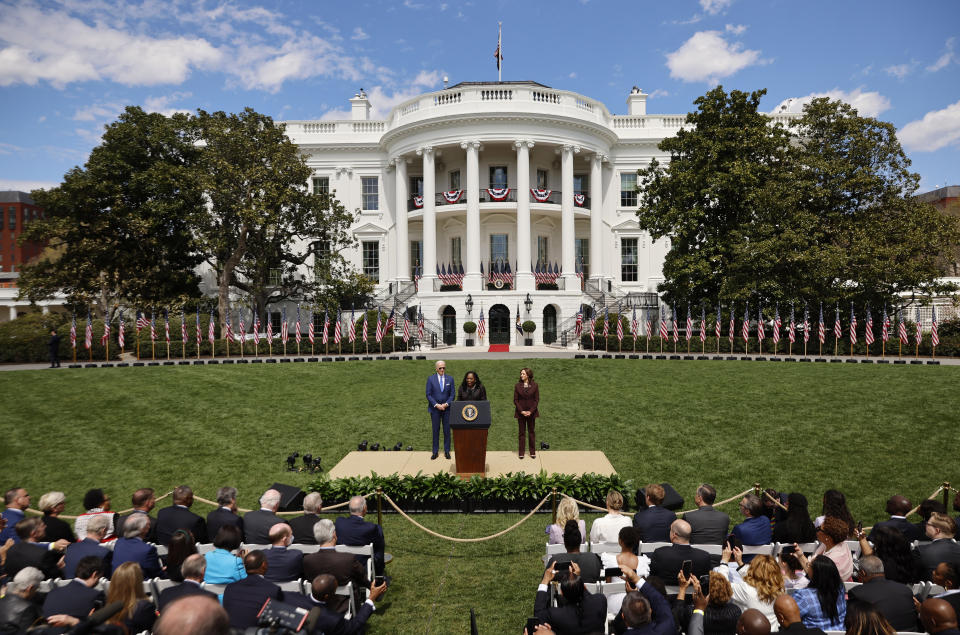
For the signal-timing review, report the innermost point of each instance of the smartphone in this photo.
(532, 624)
(705, 584)
(612, 572)
(787, 549)
(379, 580)
(562, 566)
(859, 526)
(686, 568)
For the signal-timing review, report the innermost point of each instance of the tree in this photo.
(119, 229)
(822, 211)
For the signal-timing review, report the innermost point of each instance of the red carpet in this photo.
(499, 348)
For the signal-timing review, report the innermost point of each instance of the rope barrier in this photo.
(482, 539)
(775, 501)
(37, 512)
(914, 510)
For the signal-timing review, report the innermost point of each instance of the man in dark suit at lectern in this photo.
(439, 397)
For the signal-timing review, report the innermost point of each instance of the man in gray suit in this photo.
(257, 523)
(708, 526)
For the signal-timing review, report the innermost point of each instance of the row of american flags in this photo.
(333, 330)
(889, 326)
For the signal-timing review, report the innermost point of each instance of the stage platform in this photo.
(497, 463)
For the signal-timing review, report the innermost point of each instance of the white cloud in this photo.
(708, 57)
(938, 129)
(868, 104)
(659, 93)
(736, 29)
(359, 34)
(99, 112)
(899, 70)
(162, 103)
(26, 185)
(9, 148)
(713, 7)
(572, 75)
(944, 60)
(381, 103)
(410, 4)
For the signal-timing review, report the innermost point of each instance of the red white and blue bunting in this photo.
(453, 196)
(418, 201)
(498, 193)
(579, 199)
(541, 195)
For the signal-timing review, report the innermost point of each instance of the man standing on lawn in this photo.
(439, 398)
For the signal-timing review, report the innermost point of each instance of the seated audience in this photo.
(835, 506)
(720, 615)
(898, 507)
(581, 611)
(17, 610)
(181, 546)
(354, 531)
(283, 564)
(80, 596)
(708, 526)
(244, 598)
(788, 616)
(192, 569)
(52, 505)
(759, 586)
(303, 525)
(942, 547)
(323, 596)
(226, 513)
(567, 509)
(864, 619)
(644, 609)
(27, 553)
(937, 616)
(143, 502)
(893, 599)
(893, 549)
(607, 528)
(343, 566)
(629, 544)
(126, 585)
(926, 509)
(179, 516)
(89, 546)
(132, 548)
(796, 525)
(223, 567)
(96, 503)
(653, 523)
(832, 536)
(257, 523)
(794, 576)
(947, 575)
(589, 563)
(823, 602)
(16, 500)
(755, 530)
(193, 615)
(666, 562)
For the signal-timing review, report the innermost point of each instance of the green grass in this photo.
(869, 431)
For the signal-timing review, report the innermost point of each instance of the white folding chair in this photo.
(607, 588)
(305, 548)
(604, 547)
(365, 550)
(205, 547)
(650, 547)
(162, 550)
(159, 585)
(759, 550)
(808, 547)
(553, 550)
(46, 586)
(921, 590)
(216, 589)
(850, 585)
(713, 550)
(292, 586)
(854, 547)
(249, 548)
(347, 590)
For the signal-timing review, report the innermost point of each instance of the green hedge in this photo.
(26, 339)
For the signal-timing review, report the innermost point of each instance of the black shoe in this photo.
(433, 456)
(446, 455)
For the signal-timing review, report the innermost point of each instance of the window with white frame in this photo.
(371, 192)
(581, 255)
(628, 189)
(371, 260)
(321, 185)
(416, 186)
(581, 184)
(455, 180)
(321, 258)
(498, 176)
(628, 259)
(542, 179)
(499, 248)
(455, 259)
(543, 253)
(416, 257)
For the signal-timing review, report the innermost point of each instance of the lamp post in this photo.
(528, 303)
(469, 303)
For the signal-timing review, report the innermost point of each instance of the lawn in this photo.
(869, 431)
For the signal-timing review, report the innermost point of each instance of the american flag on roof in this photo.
(868, 326)
(73, 331)
(934, 335)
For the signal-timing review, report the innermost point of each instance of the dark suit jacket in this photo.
(930, 554)
(184, 589)
(343, 567)
(151, 535)
(354, 531)
(589, 563)
(57, 529)
(283, 565)
(220, 517)
(170, 519)
(667, 561)
(435, 395)
(953, 599)
(256, 526)
(653, 523)
(244, 599)
(303, 529)
(76, 599)
(563, 619)
(526, 399)
(30, 554)
(908, 529)
(661, 617)
(82, 549)
(17, 614)
(893, 599)
(708, 526)
(136, 550)
(330, 622)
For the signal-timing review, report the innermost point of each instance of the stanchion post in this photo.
(554, 490)
(380, 506)
(756, 489)
(946, 494)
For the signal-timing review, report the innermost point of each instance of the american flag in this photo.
(199, 332)
(776, 324)
(120, 337)
(379, 326)
(577, 328)
(689, 327)
(88, 333)
(663, 325)
(391, 321)
(153, 327)
(649, 331)
(792, 333)
(141, 321)
(166, 325)
(352, 329)
(806, 323)
(183, 325)
(364, 335)
(106, 332)
(310, 333)
(703, 324)
(325, 337)
(853, 328)
(676, 327)
(934, 336)
(337, 328)
(885, 333)
(284, 328)
(229, 335)
(269, 327)
(761, 331)
(733, 324)
(868, 334)
(634, 325)
(606, 321)
(619, 326)
(296, 331)
(746, 325)
(210, 328)
(902, 328)
(837, 330)
(243, 331)
(822, 329)
(256, 328)
(919, 327)
(406, 327)
(717, 327)
(420, 325)
(73, 331)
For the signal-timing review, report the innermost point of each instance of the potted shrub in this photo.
(528, 328)
(469, 328)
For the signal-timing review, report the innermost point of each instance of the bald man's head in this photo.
(937, 615)
(193, 615)
(786, 610)
(680, 532)
(753, 622)
(323, 587)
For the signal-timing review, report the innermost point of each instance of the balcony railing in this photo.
(491, 195)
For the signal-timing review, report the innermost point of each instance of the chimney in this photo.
(637, 102)
(360, 106)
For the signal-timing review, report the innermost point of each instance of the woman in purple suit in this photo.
(526, 398)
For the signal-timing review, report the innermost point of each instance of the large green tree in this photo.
(119, 229)
(822, 211)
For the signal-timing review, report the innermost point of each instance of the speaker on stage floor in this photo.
(291, 497)
(672, 499)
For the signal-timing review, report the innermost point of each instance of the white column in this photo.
(524, 277)
(429, 217)
(472, 280)
(13, 313)
(403, 240)
(596, 214)
(566, 216)
(45, 310)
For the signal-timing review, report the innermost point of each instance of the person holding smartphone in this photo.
(581, 612)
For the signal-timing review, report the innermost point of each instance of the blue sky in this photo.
(69, 67)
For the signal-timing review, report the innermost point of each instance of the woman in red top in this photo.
(526, 398)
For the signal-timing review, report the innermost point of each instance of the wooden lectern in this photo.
(470, 421)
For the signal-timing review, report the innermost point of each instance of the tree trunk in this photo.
(226, 275)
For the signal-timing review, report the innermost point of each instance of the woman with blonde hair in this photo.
(52, 505)
(607, 528)
(760, 585)
(566, 510)
(126, 585)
